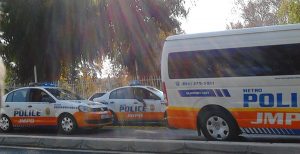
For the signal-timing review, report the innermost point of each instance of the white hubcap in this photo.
(217, 127)
(4, 123)
(67, 124)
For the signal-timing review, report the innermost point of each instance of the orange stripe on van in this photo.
(186, 117)
(182, 117)
(248, 118)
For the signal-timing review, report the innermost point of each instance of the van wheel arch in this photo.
(211, 108)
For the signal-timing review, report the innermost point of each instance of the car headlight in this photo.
(85, 109)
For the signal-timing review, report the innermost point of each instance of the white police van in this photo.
(47, 106)
(236, 81)
(135, 103)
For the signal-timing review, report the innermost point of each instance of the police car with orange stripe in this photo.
(51, 106)
(135, 103)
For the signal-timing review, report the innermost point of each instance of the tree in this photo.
(289, 11)
(53, 34)
(256, 13)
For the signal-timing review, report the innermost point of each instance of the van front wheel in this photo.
(218, 126)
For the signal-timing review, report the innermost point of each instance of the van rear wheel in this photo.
(218, 126)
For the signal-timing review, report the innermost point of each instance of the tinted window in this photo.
(144, 94)
(37, 95)
(113, 95)
(236, 62)
(20, 96)
(9, 97)
(124, 93)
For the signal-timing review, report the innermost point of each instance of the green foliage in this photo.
(53, 34)
(290, 11)
(256, 13)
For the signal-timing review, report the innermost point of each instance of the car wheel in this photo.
(67, 124)
(5, 124)
(218, 126)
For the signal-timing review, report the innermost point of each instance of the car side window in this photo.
(9, 97)
(145, 94)
(20, 95)
(113, 95)
(124, 93)
(37, 95)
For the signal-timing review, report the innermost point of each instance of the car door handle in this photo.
(112, 102)
(7, 106)
(29, 106)
(135, 102)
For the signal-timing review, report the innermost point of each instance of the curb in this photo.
(147, 145)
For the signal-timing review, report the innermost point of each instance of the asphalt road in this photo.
(32, 150)
(148, 132)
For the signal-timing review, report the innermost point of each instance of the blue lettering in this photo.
(262, 100)
(294, 100)
(16, 112)
(249, 98)
(270, 100)
(122, 108)
(279, 101)
(27, 113)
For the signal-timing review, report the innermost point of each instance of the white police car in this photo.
(51, 106)
(135, 103)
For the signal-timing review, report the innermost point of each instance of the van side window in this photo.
(235, 62)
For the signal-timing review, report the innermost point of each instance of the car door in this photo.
(126, 108)
(153, 110)
(15, 107)
(41, 104)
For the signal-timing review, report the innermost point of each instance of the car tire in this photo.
(5, 124)
(67, 124)
(218, 125)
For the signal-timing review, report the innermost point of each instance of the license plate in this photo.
(105, 116)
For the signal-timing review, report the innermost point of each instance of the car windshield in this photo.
(159, 93)
(62, 94)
